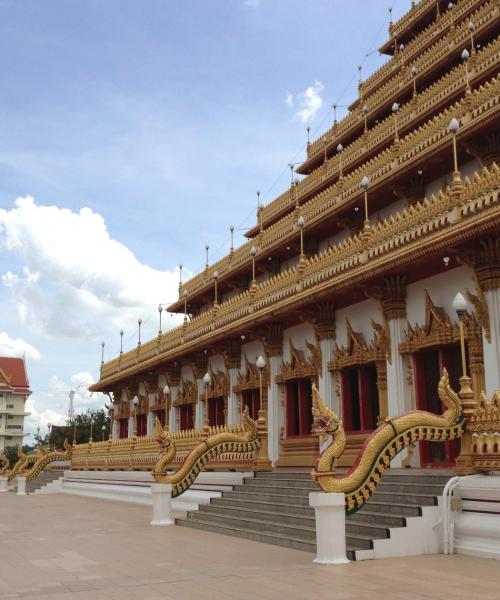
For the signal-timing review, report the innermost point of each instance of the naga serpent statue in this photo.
(4, 464)
(209, 448)
(34, 464)
(361, 480)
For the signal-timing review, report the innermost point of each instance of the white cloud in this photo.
(76, 280)
(252, 3)
(309, 102)
(56, 398)
(17, 347)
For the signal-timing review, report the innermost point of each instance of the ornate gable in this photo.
(219, 384)
(187, 393)
(357, 351)
(300, 365)
(249, 379)
(437, 330)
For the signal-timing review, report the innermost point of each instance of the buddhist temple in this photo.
(347, 279)
(334, 383)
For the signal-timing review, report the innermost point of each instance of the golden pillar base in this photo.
(463, 463)
(262, 462)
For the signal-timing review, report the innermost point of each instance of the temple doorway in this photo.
(216, 411)
(428, 365)
(186, 414)
(298, 407)
(123, 428)
(360, 398)
(251, 399)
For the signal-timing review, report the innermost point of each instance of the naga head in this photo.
(248, 424)
(450, 399)
(326, 421)
(162, 436)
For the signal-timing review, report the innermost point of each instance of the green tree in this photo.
(80, 428)
(11, 453)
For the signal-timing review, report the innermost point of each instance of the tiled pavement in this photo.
(62, 547)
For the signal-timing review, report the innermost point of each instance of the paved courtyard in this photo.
(63, 547)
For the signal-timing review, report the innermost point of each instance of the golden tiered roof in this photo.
(454, 215)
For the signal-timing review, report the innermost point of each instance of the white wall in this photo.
(299, 334)
(360, 316)
(442, 289)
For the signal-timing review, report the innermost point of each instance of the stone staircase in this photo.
(42, 480)
(274, 508)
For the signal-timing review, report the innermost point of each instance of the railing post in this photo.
(4, 484)
(21, 485)
(262, 462)
(329, 509)
(162, 504)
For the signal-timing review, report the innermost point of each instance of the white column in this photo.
(172, 421)
(162, 504)
(274, 408)
(329, 509)
(150, 424)
(4, 484)
(398, 390)
(115, 430)
(131, 423)
(326, 380)
(200, 405)
(491, 350)
(233, 413)
(21, 486)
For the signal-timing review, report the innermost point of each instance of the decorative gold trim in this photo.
(249, 379)
(187, 393)
(299, 365)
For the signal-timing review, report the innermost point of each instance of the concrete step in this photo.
(244, 522)
(410, 488)
(294, 500)
(404, 498)
(42, 480)
(379, 518)
(220, 512)
(297, 490)
(249, 534)
(256, 503)
(423, 479)
(394, 508)
(283, 482)
(301, 475)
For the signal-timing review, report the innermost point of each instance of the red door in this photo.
(186, 416)
(298, 407)
(142, 425)
(427, 367)
(160, 415)
(251, 399)
(123, 428)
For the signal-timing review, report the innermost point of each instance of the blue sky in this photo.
(160, 119)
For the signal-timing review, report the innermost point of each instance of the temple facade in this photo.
(348, 278)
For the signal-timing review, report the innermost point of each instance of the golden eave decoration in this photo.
(437, 330)
(419, 231)
(300, 365)
(358, 351)
(219, 384)
(187, 393)
(249, 379)
(486, 417)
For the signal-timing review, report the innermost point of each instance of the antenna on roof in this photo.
(71, 408)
